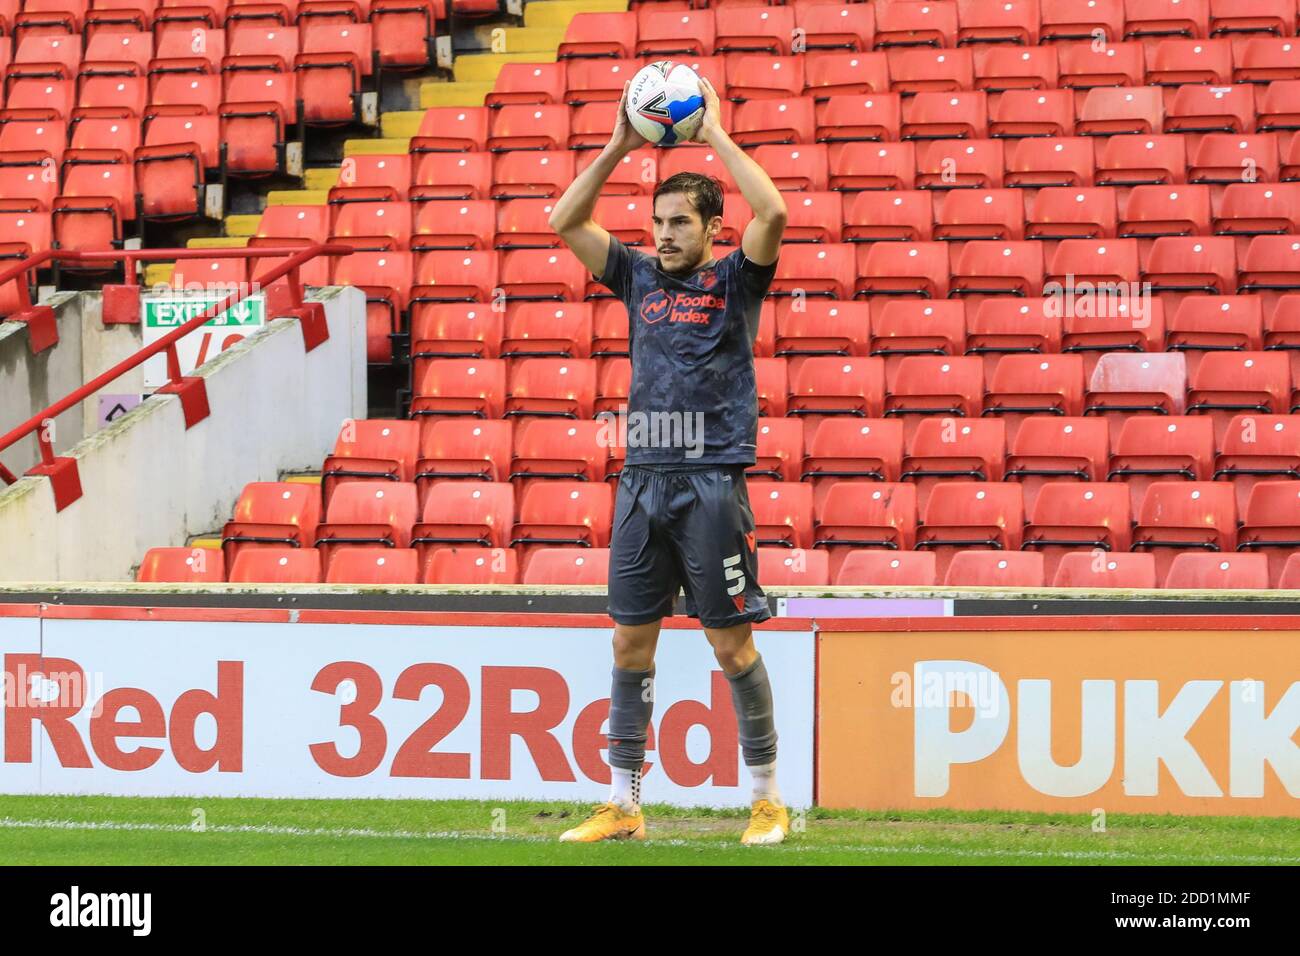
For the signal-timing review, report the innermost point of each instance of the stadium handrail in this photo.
(62, 471)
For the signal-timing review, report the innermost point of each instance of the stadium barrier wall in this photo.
(201, 702)
(149, 481)
(1093, 715)
(29, 383)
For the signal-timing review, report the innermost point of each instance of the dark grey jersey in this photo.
(693, 398)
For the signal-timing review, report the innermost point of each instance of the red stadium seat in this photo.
(182, 566)
(403, 33)
(780, 450)
(471, 566)
(798, 567)
(276, 565)
(917, 327)
(916, 71)
(1000, 326)
(756, 77)
(1236, 17)
(936, 385)
(464, 512)
(856, 166)
(520, 174)
(1085, 66)
(888, 569)
(753, 29)
(1225, 158)
(1225, 383)
(371, 448)
(946, 449)
(1135, 160)
(1072, 517)
(560, 449)
(1072, 213)
(993, 214)
(1046, 450)
(1180, 516)
(599, 34)
(1265, 59)
(998, 268)
(575, 513)
(1256, 448)
(1123, 383)
(833, 385)
(528, 84)
(849, 117)
(452, 129)
(367, 513)
(848, 448)
(951, 115)
(834, 26)
(1153, 211)
(1211, 109)
(464, 224)
(874, 215)
(999, 68)
(373, 565)
(822, 269)
(552, 387)
(798, 168)
(1270, 264)
(478, 450)
(1250, 209)
(875, 515)
(783, 513)
(1024, 385)
(904, 268)
(829, 73)
(1212, 323)
(1160, 18)
(989, 569)
(774, 120)
(460, 387)
(1083, 569)
(674, 33)
(970, 514)
(273, 513)
(1081, 19)
(1058, 161)
(1108, 261)
(1271, 524)
(568, 566)
(1177, 61)
(998, 21)
(1106, 112)
(1154, 448)
(916, 23)
(1192, 264)
(1237, 572)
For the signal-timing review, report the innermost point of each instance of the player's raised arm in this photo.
(571, 217)
(762, 239)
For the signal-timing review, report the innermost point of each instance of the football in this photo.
(664, 103)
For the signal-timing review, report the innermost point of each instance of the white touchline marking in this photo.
(9, 823)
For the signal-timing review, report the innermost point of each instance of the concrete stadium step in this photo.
(558, 13)
(158, 273)
(242, 225)
(376, 147)
(221, 242)
(435, 93)
(532, 39)
(310, 479)
(484, 67)
(297, 197)
(212, 544)
(401, 124)
(325, 179)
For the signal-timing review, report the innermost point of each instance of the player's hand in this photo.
(711, 125)
(625, 138)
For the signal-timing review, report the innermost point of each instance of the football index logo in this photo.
(654, 306)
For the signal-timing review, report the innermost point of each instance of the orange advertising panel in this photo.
(1149, 715)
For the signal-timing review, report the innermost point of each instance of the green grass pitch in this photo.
(144, 830)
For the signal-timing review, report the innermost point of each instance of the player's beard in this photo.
(687, 258)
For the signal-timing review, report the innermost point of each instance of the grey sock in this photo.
(751, 695)
(631, 701)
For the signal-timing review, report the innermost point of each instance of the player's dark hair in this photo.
(703, 192)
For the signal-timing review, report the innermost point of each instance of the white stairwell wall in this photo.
(148, 482)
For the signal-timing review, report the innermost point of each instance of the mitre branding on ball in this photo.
(664, 102)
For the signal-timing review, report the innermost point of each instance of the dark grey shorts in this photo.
(691, 531)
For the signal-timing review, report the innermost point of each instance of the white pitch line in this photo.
(10, 823)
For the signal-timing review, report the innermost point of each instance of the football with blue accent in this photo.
(664, 103)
